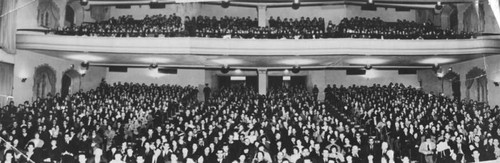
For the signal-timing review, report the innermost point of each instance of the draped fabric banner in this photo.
(468, 85)
(482, 88)
(48, 14)
(6, 82)
(8, 26)
(44, 81)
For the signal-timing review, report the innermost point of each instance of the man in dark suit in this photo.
(371, 149)
(206, 92)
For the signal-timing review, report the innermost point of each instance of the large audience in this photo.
(248, 28)
(132, 123)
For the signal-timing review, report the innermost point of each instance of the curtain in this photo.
(6, 82)
(44, 74)
(8, 26)
(468, 85)
(481, 89)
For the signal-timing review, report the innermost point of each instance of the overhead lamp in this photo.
(154, 1)
(153, 66)
(438, 6)
(286, 71)
(85, 65)
(238, 71)
(225, 69)
(370, 2)
(368, 67)
(296, 69)
(84, 2)
(450, 69)
(436, 67)
(225, 4)
(296, 4)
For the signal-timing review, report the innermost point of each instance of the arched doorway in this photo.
(69, 18)
(70, 82)
(477, 77)
(44, 81)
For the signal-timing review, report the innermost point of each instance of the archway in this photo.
(44, 81)
(70, 82)
(69, 18)
(477, 77)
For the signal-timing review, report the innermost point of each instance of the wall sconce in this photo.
(24, 79)
(496, 84)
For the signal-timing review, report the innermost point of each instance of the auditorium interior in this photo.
(249, 81)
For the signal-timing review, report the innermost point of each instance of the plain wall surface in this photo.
(491, 64)
(184, 77)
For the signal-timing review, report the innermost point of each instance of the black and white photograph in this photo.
(249, 81)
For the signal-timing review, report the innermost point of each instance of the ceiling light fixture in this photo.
(85, 65)
(296, 69)
(368, 67)
(296, 4)
(225, 3)
(84, 2)
(225, 69)
(153, 66)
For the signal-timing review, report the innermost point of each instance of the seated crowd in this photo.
(134, 123)
(240, 27)
(402, 29)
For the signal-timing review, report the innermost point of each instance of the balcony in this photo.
(249, 47)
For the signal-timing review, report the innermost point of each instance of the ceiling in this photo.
(216, 61)
(284, 3)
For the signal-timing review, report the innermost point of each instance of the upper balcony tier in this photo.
(249, 47)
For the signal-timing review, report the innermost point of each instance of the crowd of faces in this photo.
(149, 123)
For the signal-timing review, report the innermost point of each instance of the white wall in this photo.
(338, 77)
(24, 67)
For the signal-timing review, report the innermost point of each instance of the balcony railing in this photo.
(218, 46)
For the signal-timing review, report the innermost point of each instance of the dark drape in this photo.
(6, 82)
(44, 81)
(8, 26)
(455, 87)
(468, 85)
(481, 89)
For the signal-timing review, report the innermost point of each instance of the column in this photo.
(262, 74)
(261, 15)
